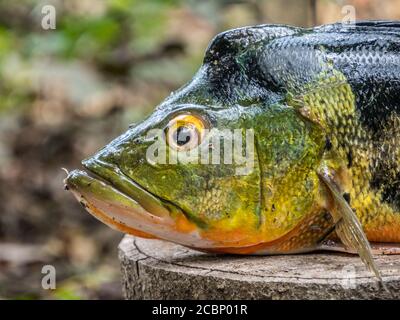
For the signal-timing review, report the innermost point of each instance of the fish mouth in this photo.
(121, 203)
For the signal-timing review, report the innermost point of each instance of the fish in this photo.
(285, 141)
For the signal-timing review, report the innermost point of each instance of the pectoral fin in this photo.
(348, 227)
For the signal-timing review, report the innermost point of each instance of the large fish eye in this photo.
(185, 132)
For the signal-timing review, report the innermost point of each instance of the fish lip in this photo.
(113, 176)
(113, 207)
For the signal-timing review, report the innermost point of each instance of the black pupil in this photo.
(182, 135)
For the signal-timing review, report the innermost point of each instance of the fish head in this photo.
(204, 166)
(177, 176)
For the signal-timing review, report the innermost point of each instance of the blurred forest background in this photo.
(64, 93)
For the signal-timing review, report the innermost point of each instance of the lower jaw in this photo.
(111, 221)
(120, 212)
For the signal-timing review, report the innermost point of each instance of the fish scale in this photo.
(351, 124)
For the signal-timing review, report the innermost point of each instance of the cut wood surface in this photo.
(155, 269)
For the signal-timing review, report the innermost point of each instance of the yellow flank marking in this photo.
(331, 103)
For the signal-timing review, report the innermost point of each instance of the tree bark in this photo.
(154, 269)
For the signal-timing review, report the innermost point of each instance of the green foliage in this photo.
(138, 24)
(131, 28)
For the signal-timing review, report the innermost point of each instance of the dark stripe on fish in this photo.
(260, 61)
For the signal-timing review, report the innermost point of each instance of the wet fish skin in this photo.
(324, 99)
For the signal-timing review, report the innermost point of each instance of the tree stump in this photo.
(155, 269)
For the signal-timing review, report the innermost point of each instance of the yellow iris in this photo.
(185, 132)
